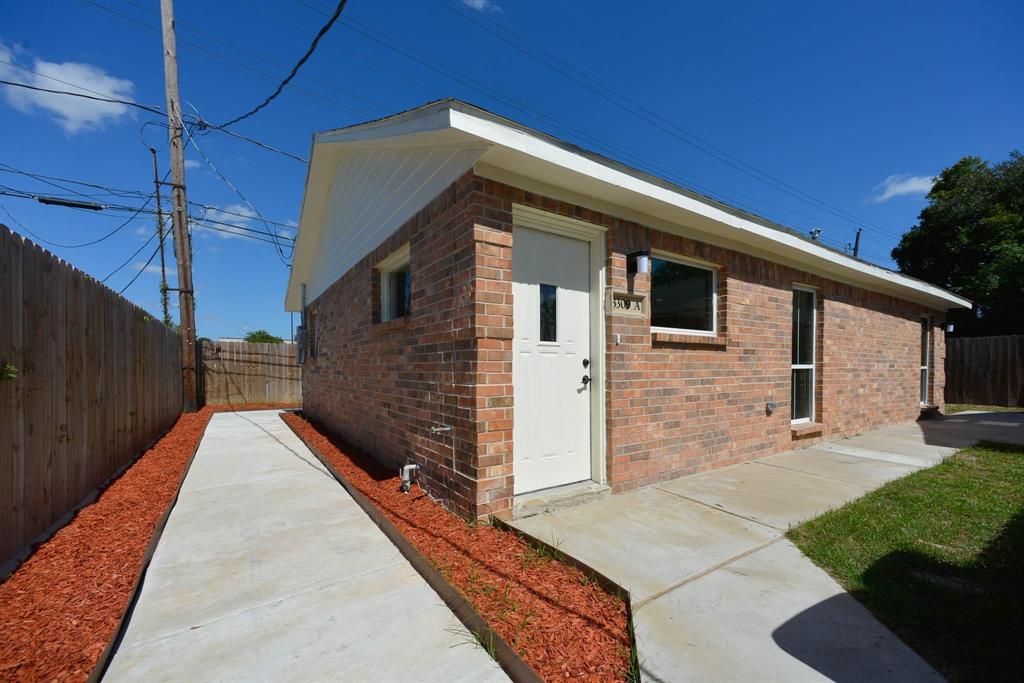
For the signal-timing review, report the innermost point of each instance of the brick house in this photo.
(517, 315)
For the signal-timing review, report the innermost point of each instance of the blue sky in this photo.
(855, 104)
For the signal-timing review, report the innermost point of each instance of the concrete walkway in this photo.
(720, 595)
(269, 571)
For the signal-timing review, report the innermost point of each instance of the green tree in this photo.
(970, 239)
(262, 337)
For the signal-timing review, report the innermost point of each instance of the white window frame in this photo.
(398, 260)
(926, 324)
(813, 367)
(693, 263)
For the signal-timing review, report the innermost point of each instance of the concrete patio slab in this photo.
(839, 466)
(267, 570)
(769, 616)
(647, 541)
(768, 495)
(720, 595)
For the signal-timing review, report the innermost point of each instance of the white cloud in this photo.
(899, 185)
(73, 114)
(191, 164)
(481, 5)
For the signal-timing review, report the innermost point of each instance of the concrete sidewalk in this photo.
(267, 570)
(719, 594)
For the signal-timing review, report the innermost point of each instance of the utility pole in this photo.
(160, 233)
(179, 215)
(856, 243)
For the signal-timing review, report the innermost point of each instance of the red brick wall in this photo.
(680, 405)
(675, 406)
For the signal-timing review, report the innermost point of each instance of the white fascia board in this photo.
(601, 173)
(319, 175)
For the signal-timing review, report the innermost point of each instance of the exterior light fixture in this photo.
(638, 262)
(949, 327)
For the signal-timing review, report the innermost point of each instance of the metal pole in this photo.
(182, 243)
(856, 243)
(164, 299)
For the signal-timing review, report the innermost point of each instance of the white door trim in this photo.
(594, 235)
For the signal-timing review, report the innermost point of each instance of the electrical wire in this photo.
(217, 56)
(309, 53)
(141, 270)
(631, 106)
(180, 24)
(129, 259)
(101, 97)
(234, 189)
(92, 242)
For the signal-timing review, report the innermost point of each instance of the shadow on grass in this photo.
(966, 621)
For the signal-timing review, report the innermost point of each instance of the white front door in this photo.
(551, 358)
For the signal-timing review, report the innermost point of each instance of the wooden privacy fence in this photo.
(87, 381)
(247, 372)
(985, 370)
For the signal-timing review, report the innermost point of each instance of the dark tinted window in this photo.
(682, 296)
(548, 313)
(803, 327)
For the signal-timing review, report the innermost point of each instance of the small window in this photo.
(682, 296)
(395, 285)
(926, 357)
(548, 313)
(803, 365)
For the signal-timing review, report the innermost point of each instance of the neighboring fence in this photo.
(246, 372)
(985, 370)
(87, 381)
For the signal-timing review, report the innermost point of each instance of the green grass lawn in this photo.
(960, 407)
(938, 557)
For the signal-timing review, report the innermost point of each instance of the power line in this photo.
(113, 100)
(638, 110)
(228, 228)
(261, 57)
(141, 270)
(128, 260)
(234, 189)
(129, 193)
(218, 56)
(295, 69)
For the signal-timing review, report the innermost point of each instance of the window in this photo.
(804, 338)
(548, 313)
(926, 357)
(395, 285)
(683, 296)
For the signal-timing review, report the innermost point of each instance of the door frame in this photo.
(594, 235)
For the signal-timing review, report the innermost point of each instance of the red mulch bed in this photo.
(562, 624)
(60, 608)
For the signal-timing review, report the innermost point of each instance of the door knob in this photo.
(586, 380)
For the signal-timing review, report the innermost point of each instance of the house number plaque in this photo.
(626, 304)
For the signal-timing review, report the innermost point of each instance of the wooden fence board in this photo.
(98, 379)
(246, 372)
(985, 370)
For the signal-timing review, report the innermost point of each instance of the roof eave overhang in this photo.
(525, 153)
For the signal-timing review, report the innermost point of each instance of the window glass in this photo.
(682, 296)
(548, 313)
(803, 393)
(803, 327)
(400, 292)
